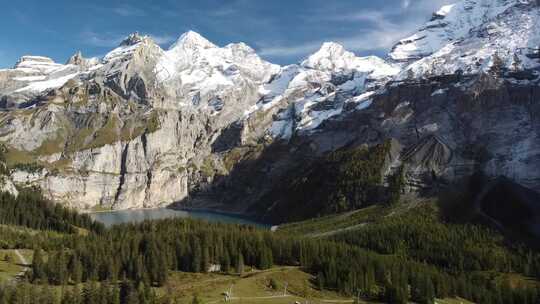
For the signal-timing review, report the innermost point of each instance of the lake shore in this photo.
(114, 217)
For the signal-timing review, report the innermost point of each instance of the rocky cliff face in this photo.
(118, 133)
(146, 127)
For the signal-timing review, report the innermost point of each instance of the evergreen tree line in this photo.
(22, 238)
(344, 180)
(457, 248)
(30, 209)
(93, 293)
(395, 280)
(144, 253)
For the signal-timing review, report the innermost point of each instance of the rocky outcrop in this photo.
(78, 60)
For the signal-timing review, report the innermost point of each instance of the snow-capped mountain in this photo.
(334, 58)
(31, 76)
(79, 60)
(468, 35)
(194, 54)
(146, 127)
(202, 74)
(328, 81)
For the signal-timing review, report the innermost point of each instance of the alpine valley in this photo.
(349, 152)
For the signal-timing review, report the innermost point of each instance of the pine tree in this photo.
(162, 271)
(128, 293)
(67, 298)
(91, 294)
(112, 270)
(226, 262)
(240, 264)
(77, 295)
(264, 258)
(114, 297)
(104, 292)
(196, 261)
(58, 272)
(46, 295)
(320, 281)
(205, 261)
(369, 279)
(429, 291)
(76, 269)
(38, 271)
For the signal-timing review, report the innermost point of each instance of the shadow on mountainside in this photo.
(499, 203)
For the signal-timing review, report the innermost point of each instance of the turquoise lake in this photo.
(110, 218)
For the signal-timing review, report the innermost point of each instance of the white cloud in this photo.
(428, 6)
(163, 39)
(369, 41)
(405, 4)
(110, 40)
(101, 40)
(379, 29)
(382, 34)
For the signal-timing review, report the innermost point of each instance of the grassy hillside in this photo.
(332, 224)
(253, 287)
(11, 264)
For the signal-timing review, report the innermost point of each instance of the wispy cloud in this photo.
(101, 40)
(129, 11)
(163, 39)
(378, 30)
(405, 4)
(424, 6)
(382, 33)
(109, 40)
(369, 41)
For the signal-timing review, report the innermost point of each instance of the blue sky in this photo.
(282, 31)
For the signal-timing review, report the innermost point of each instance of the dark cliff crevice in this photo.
(123, 171)
(144, 141)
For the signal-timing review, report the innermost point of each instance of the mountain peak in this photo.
(133, 39)
(79, 60)
(445, 10)
(467, 19)
(333, 57)
(330, 56)
(27, 60)
(76, 59)
(193, 39)
(332, 47)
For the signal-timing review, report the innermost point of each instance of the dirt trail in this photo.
(22, 261)
(21, 257)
